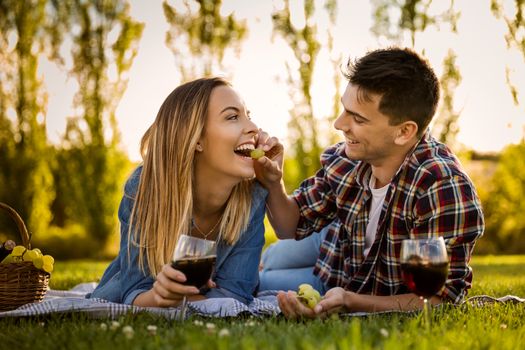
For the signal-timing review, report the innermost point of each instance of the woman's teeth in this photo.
(244, 150)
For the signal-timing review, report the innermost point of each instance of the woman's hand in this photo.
(168, 290)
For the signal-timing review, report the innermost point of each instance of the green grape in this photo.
(48, 259)
(38, 262)
(47, 263)
(308, 295)
(47, 268)
(257, 153)
(311, 302)
(18, 250)
(30, 255)
(304, 287)
(8, 259)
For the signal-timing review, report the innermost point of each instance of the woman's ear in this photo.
(406, 132)
(199, 147)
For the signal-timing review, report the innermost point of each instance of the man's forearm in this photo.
(372, 303)
(283, 212)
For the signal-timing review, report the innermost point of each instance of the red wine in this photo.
(197, 270)
(424, 278)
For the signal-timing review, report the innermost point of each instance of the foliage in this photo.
(203, 34)
(412, 16)
(503, 201)
(24, 156)
(415, 16)
(88, 170)
(515, 36)
(302, 127)
(90, 166)
(499, 326)
(446, 124)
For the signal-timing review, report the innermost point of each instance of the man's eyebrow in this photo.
(230, 107)
(352, 112)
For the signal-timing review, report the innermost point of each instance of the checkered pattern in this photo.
(74, 301)
(430, 195)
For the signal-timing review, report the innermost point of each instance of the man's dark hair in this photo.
(408, 87)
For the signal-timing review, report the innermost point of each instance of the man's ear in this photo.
(406, 132)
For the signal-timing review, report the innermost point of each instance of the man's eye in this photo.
(358, 120)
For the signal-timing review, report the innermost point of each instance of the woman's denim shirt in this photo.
(236, 270)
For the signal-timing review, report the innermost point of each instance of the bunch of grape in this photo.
(308, 295)
(21, 253)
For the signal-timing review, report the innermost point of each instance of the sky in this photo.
(489, 119)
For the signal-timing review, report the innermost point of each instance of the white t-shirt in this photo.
(378, 197)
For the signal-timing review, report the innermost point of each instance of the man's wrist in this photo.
(348, 304)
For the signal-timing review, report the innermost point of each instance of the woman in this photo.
(196, 179)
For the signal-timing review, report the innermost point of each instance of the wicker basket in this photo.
(20, 283)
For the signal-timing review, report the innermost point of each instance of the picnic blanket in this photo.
(74, 301)
(265, 304)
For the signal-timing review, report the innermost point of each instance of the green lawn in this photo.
(489, 327)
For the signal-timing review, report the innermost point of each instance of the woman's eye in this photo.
(233, 117)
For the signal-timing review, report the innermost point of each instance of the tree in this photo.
(515, 36)
(199, 38)
(27, 183)
(445, 127)
(302, 128)
(91, 165)
(504, 204)
(414, 16)
(335, 60)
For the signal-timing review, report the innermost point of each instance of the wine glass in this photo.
(195, 257)
(424, 267)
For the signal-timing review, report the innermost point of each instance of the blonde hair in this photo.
(164, 202)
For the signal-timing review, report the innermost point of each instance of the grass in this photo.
(489, 327)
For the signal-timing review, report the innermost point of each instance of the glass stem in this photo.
(183, 308)
(426, 314)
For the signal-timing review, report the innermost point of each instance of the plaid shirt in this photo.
(430, 195)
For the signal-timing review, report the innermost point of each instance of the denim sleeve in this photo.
(123, 280)
(238, 276)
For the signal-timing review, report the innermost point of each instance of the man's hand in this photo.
(332, 302)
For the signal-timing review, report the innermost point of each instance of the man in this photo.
(388, 181)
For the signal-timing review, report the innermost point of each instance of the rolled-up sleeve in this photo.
(450, 208)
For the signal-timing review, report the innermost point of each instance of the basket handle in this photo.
(22, 229)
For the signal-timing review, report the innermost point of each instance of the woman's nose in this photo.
(251, 127)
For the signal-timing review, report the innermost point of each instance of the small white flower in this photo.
(383, 332)
(128, 331)
(210, 325)
(114, 325)
(198, 323)
(503, 326)
(103, 326)
(224, 332)
(41, 324)
(250, 324)
(152, 329)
